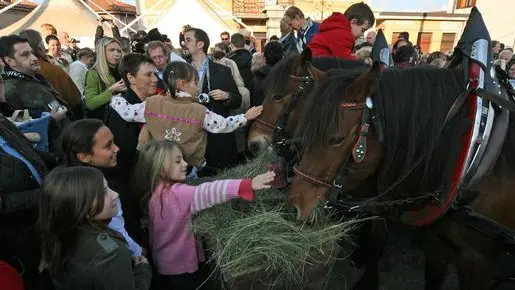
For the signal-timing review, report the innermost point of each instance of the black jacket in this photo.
(126, 138)
(289, 44)
(19, 192)
(258, 95)
(243, 59)
(102, 261)
(221, 151)
(125, 135)
(35, 94)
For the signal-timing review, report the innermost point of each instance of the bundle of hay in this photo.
(260, 239)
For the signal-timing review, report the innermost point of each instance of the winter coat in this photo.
(19, 190)
(96, 94)
(334, 38)
(64, 84)
(35, 94)
(258, 96)
(101, 261)
(221, 149)
(289, 44)
(243, 59)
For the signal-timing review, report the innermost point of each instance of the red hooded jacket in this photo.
(9, 278)
(334, 38)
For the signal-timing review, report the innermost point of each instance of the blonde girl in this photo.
(179, 117)
(171, 203)
(103, 80)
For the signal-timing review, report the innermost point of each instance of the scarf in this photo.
(301, 39)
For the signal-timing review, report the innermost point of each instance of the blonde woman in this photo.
(103, 80)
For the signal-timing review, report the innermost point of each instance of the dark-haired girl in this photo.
(89, 142)
(78, 249)
(179, 117)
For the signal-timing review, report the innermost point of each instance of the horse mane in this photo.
(323, 113)
(411, 104)
(506, 161)
(280, 73)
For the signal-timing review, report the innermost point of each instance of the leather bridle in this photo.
(306, 84)
(358, 152)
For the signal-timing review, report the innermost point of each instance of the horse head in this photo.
(337, 134)
(290, 82)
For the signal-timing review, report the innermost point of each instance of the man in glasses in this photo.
(226, 38)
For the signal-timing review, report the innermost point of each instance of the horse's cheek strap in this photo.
(360, 148)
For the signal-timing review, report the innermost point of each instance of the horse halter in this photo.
(306, 84)
(358, 152)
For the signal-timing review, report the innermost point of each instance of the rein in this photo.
(359, 152)
(349, 204)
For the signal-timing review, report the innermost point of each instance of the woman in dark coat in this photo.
(22, 170)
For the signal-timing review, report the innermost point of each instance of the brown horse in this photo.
(410, 169)
(287, 90)
(284, 107)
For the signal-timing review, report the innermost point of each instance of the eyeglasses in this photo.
(225, 39)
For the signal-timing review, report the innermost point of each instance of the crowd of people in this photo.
(97, 143)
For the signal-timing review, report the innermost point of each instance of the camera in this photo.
(512, 84)
(203, 98)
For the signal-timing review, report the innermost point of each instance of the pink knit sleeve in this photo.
(211, 193)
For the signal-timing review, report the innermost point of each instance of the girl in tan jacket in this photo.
(179, 117)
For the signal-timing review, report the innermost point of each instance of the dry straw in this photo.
(262, 240)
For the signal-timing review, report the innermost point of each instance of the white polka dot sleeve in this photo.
(215, 123)
(128, 112)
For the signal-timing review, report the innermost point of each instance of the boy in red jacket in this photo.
(338, 33)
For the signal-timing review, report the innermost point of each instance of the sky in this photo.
(395, 5)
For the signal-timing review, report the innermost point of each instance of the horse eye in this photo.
(277, 97)
(334, 141)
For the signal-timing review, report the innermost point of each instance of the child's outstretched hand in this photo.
(253, 113)
(262, 181)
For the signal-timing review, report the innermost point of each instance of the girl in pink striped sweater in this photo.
(171, 204)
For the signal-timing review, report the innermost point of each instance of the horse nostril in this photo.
(254, 148)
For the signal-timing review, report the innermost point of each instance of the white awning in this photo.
(195, 13)
(66, 15)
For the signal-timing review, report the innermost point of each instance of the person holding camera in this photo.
(215, 80)
(99, 33)
(181, 117)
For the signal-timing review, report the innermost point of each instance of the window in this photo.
(424, 41)
(465, 4)
(447, 42)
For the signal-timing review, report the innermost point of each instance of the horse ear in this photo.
(375, 70)
(318, 75)
(305, 58)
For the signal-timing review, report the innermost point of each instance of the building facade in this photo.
(498, 16)
(260, 17)
(15, 13)
(432, 31)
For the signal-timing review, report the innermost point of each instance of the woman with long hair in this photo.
(89, 142)
(78, 249)
(103, 80)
